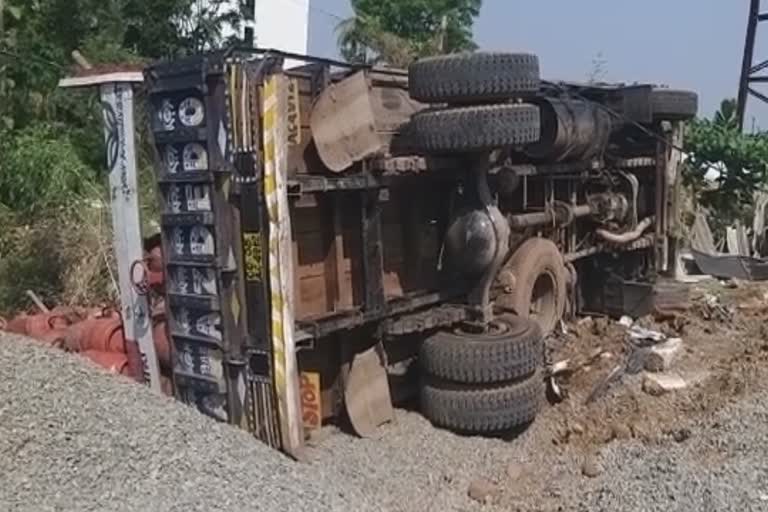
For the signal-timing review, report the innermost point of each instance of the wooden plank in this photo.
(312, 300)
(124, 77)
(281, 263)
(307, 220)
(344, 290)
(393, 283)
(311, 252)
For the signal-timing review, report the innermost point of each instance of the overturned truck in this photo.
(340, 238)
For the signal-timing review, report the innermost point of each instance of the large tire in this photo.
(540, 287)
(474, 77)
(481, 410)
(477, 128)
(673, 105)
(513, 349)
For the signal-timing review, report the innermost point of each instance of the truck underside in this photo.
(347, 222)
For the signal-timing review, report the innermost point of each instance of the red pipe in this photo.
(115, 363)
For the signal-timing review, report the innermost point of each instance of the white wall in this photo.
(283, 25)
(280, 25)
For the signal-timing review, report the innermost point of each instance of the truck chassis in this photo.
(320, 223)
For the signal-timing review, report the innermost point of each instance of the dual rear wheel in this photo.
(492, 381)
(483, 382)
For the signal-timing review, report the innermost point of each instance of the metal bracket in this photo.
(479, 298)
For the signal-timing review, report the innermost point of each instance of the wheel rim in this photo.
(543, 307)
(494, 328)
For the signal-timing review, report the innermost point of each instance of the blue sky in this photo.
(693, 44)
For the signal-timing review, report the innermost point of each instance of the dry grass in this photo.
(65, 256)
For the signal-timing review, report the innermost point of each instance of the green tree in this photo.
(51, 140)
(725, 166)
(399, 31)
(40, 35)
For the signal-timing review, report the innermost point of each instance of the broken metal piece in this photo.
(722, 265)
(642, 336)
(555, 392)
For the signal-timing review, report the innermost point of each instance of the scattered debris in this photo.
(483, 490)
(39, 303)
(604, 384)
(680, 435)
(567, 368)
(555, 392)
(577, 428)
(620, 431)
(660, 358)
(660, 384)
(570, 366)
(626, 321)
(723, 265)
(561, 367)
(710, 308)
(591, 467)
(641, 334)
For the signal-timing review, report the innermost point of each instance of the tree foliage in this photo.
(51, 140)
(725, 166)
(398, 31)
(40, 35)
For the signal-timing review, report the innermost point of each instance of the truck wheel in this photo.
(482, 409)
(670, 104)
(512, 349)
(473, 77)
(539, 291)
(475, 128)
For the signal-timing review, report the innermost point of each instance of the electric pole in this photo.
(749, 70)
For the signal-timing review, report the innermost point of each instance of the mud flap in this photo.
(366, 393)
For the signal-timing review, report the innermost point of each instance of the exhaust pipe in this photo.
(629, 236)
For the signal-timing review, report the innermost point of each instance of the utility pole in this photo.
(748, 70)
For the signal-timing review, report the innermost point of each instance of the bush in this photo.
(41, 169)
(64, 255)
(725, 168)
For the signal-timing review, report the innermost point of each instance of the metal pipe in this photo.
(641, 243)
(582, 210)
(629, 236)
(529, 220)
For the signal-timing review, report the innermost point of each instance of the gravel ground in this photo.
(415, 467)
(722, 466)
(73, 438)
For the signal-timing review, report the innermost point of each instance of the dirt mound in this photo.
(725, 348)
